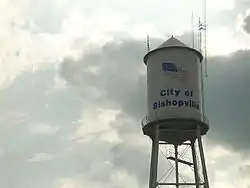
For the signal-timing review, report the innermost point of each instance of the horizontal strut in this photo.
(176, 130)
(165, 143)
(180, 161)
(179, 184)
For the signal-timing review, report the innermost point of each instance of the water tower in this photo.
(175, 110)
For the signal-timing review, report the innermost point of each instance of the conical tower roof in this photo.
(172, 43)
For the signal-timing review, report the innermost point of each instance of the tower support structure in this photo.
(200, 180)
(176, 115)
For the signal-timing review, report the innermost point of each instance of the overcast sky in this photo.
(73, 90)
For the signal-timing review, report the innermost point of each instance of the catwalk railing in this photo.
(153, 118)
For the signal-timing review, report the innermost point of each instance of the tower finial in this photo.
(148, 44)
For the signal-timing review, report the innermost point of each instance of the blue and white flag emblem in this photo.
(169, 67)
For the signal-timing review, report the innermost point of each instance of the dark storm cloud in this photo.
(118, 77)
(119, 81)
(121, 85)
(247, 24)
(227, 99)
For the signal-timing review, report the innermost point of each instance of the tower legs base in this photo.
(199, 180)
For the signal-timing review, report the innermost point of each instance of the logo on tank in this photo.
(173, 70)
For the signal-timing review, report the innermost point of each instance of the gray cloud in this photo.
(31, 101)
(247, 24)
(117, 79)
(28, 102)
(245, 171)
(134, 161)
(227, 99)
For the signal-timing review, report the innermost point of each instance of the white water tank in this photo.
(174, 90)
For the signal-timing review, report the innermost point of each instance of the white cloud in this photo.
(223, 41)
(219, 151)
(42, 129)
(40, 157)
(222, 4)
(26, 47)
(25, 51)
(224, 166)
(96, 121)
(59, 83)
(67, 183)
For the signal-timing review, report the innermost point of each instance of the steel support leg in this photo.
(196, 175)
(203, 163)
(154, 158)
(176, 166)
